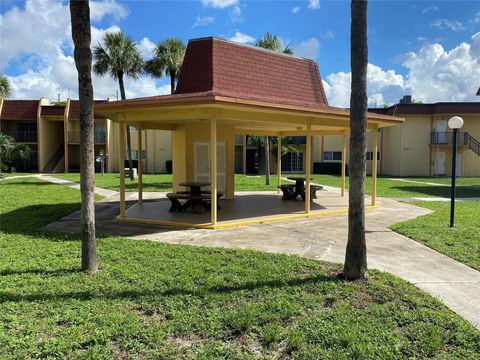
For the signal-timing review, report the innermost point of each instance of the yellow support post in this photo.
(140, 166)
(279, 163)
(308, 168)
(374, 166)
(213, 170)
(344, 161)
(121, 167)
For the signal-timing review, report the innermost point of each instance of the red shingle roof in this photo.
(51, 110)
(74, 111)
(225, 68)
(19, 110)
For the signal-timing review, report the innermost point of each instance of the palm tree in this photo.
(167, 60)
(271, 42)
(5, 88)
(11, 152)
(356, 255)
(118, 56)
(81, 35)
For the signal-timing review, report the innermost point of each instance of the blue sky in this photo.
(428, 48)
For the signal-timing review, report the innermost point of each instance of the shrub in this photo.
(329, 168)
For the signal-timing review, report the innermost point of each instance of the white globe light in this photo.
(455, 122)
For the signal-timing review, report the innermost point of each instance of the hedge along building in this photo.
(226, 89)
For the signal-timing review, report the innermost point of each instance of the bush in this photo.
(169, 166)
(329, 168)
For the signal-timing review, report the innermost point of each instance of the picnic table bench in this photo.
(195, 202)
(292, 191)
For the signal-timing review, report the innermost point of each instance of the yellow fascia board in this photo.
(231, 224)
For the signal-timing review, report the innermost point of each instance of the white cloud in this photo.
(146, 47)
(236, 15)
(314, 4)
(475, 19)
(433, 74)
(100, 9)
(242, 38)
(47, 56)
(443, 24)
(203, 21)
(309, 49)
(219, 4)
(296, 9)
(328, 35)
(430, 8)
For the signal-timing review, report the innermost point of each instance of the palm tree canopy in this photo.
(117, 55)
(168, 58)
(273, 42)
(5, 89)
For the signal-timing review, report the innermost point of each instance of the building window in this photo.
(369, 156)
(135, 155)
(332, 155)
(292, 162)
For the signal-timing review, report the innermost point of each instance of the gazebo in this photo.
(227, 89)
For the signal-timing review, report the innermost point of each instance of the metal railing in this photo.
(98, 137)
(463, 139)
(22, 136)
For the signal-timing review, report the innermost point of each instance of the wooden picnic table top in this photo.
(194, 184)
(297, 178)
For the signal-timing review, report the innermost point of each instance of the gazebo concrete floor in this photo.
(246, 208)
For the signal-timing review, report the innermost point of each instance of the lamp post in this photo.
(455, 123)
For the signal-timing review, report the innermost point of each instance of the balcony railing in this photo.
(98, 137)
(22, 136)
(445, 138)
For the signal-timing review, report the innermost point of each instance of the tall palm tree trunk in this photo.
(172, 81)
(129, 140)
(356, 255)
(80, 15)
(267, 161)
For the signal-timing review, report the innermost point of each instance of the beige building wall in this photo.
(50, 137)
(183, 152)
(334, 143)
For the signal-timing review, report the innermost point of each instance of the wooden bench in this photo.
(197, 203)
(287, 190)
(313, 191)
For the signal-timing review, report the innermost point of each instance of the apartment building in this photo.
(53, 134)
(422, 146)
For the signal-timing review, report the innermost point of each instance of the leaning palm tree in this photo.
(356, 255)
(81, 35)
(271, 42)
(167, 60)
(5, 88)
(118, 56)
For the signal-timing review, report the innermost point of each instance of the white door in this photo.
(458, 167)
(202, 163)
(440, 162)
(441, 130)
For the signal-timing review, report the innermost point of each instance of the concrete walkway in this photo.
(99, 191)
(322, 238)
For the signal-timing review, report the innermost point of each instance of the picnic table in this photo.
(291, 192)
(196, 198)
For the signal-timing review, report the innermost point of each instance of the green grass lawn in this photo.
(153, 300)
(385, 186)
(461, 242)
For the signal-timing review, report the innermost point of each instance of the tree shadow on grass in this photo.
(50, 272)
(131, 294)
(18, 182)
(440, 191)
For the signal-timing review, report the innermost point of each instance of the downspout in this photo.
(65, 134)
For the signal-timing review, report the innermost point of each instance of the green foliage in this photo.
(117, 55)
(11, 152)
(153, 300)
(167, 60)
(461, 242)
(59, 103)
(5, 88)
(273, 42)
